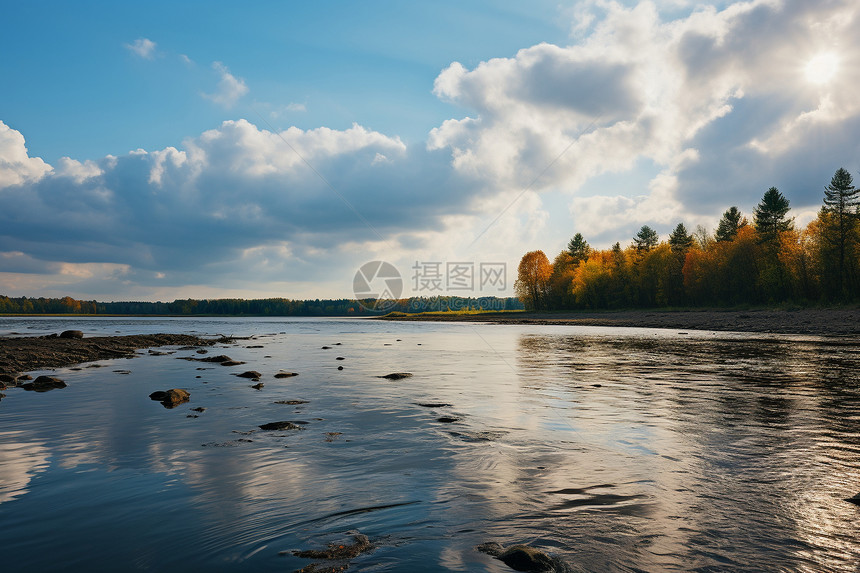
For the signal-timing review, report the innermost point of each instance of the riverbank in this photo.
(837, 322)
(25, 354)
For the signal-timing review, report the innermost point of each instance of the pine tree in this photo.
(731, 221)
(769, 216)
(578, 248)
(841, 202)
(646, 239)
(680, 241)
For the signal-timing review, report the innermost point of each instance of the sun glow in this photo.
(822, 68)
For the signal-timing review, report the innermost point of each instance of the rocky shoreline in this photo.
(836, 322)
(25, 354)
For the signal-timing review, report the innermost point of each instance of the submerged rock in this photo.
(273, 426)
(231, 363)
(447, 419)
(43, 384)
(71, 334)
(361, 544)
(523, 558)
(286, 374)
(258, 386)
(397, 375)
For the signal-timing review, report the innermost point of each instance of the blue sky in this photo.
(166, 150)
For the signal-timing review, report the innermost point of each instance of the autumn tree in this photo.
(730, 222)
(840, 231)
(646, 239)
(533, 276)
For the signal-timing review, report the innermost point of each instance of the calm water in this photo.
(614, 449)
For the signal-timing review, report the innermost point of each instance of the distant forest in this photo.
(766, 261)
(257, 307)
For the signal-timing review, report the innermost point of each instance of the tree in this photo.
(646, 239)
(532, 281)
(680, 241)
(770, 216)
(840, 226)
(731, 221)
(578, 248)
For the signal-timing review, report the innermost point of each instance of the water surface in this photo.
(614, 449)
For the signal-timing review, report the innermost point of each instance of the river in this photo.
(614, 449)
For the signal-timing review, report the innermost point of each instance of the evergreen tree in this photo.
(769, 215)
(680, 241)
(578, 248)
(841, 201)
(646, 239)
(731, 221)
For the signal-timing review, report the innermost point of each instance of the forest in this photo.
(765, 261)
(254, 307)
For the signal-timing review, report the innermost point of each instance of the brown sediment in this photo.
(840, 322)
(25, 354)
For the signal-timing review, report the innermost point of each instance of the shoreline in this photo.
(838, 322)
(30, 353)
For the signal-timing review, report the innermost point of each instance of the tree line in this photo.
(764, 261)
(254, 307)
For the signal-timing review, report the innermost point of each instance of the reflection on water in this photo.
(20, 460)
(617, 450)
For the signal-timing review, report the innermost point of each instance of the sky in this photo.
(164, 150)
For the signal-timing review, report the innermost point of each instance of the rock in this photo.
(258, 386)
(24, 377)
(271, 426)
(7, 379)
(71, 334)
(433, 404)
(340, 358)
(286, 374)
(231, 363)
(292, 402)
(447, 419)
(336, 551)
(522, 557)
(202, 351)
(340, 367)
(855, 500)
(198, 409)
(250, 374)
(397, 375)
(326, 348)
(43, 384)
(219, 358)
(171, 398)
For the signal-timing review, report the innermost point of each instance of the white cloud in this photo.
(142, 47)
(230, 88)
(16, 166)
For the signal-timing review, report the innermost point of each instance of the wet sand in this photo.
(25, 354)
(837, 322)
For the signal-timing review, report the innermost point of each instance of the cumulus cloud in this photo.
(728, 84)
(16, 165)
(230, 88)
(142, 47)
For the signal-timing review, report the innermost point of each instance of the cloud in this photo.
(143, 47)
(230, 88)
(16, 166)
